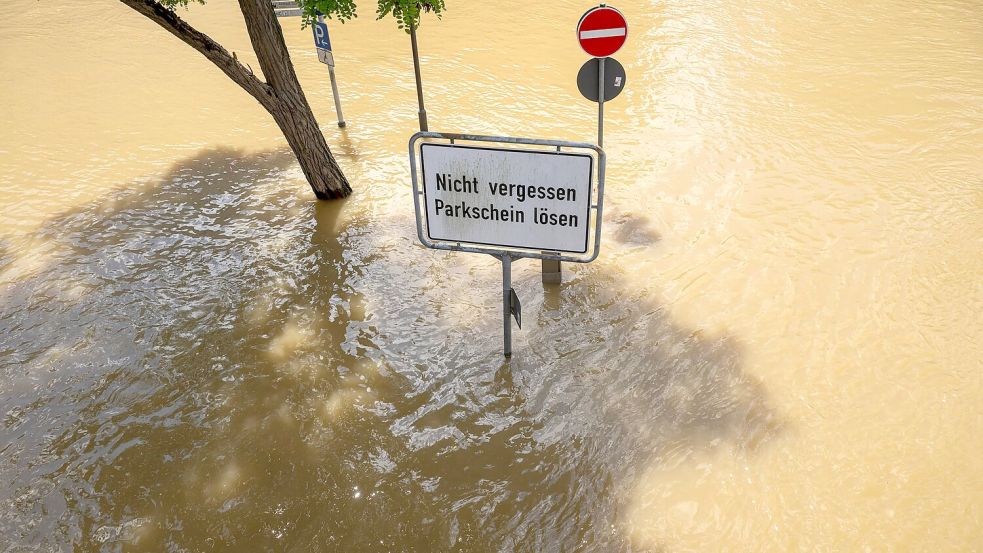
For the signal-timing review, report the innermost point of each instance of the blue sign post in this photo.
(289, 8)
(324, 54)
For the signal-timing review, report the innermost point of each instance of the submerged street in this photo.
(780, 347)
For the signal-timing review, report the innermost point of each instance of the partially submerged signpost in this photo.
(515, 198)
(602, 31)
(534, 199)
(322, 43)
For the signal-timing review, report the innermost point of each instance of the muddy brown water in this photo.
(779, 349)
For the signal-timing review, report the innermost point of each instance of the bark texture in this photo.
(281, 94)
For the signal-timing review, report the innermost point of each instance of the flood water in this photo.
(780, 347)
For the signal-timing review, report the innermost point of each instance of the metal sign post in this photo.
(514, 203)
(419, 80)
(543, 200)
(601, 31)
(289, 8)
(600, 103)
(325, 55)
(507, 293)
(600, 80)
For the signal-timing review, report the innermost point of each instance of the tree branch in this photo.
(207, 47)
(266, 37)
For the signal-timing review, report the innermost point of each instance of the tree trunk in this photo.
(292, 112)
(305, 139)
(281, 95)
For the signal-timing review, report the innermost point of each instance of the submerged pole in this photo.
(334, 84)
(419, 80)
(337, 98)
(507, 302)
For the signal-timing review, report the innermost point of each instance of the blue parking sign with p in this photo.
(321, 39)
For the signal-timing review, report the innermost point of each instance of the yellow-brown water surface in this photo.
(780, 347)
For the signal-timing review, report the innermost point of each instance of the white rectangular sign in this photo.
(289, 13)
(325, 56)
(532, 199)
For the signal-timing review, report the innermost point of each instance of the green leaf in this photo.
(171, 4)
(342, 10)
(407, 12)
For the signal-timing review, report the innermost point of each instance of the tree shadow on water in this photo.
(5, 255)
(601, 388)
(542, 452)
(645, 393)
(157, 315)
(215, 362)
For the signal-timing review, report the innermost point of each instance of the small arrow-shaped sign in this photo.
(515, 306)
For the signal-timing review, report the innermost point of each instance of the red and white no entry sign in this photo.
(602, 31)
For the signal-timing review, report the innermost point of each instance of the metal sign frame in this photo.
(596, 206)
